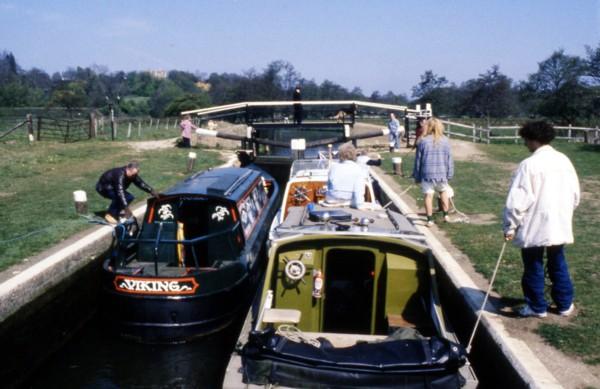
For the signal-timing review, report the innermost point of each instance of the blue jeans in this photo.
(533, 278)
(394, 138)
(115, 206)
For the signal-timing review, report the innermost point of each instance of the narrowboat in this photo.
(349, 300)
(195, 260)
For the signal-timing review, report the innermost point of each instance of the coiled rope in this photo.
(294, 334)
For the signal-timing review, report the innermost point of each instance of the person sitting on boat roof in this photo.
(346, 181)
(113, 185)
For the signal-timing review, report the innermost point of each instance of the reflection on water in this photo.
(96, 358)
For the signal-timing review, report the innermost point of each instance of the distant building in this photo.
(205, 86)
(159, 74)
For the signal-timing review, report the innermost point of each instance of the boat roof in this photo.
(228, 183)
(358, 222)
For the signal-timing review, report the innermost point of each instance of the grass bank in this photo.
(481, 187)
(38, 180)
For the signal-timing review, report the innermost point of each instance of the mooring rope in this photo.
(295, 335)
(487, 294)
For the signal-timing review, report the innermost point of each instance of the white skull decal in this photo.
(165, 212)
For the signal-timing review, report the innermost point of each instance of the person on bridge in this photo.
(113, 185)
(297, 107)
(186, 126)
(434, 167)
(538, 217)
(396, 133)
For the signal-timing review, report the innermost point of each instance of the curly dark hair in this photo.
(538, 130)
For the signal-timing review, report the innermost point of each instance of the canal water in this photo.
(96, 358)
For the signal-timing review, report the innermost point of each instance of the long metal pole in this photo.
(487, 294)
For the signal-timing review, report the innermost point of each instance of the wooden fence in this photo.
(72, 130)
(511, 133)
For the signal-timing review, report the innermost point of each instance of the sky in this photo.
(375, 45)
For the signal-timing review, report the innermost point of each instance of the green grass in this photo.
(481, 188)
(38, 180)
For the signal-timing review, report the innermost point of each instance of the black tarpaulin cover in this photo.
(409, 363)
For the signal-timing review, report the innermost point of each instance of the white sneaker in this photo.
(526, 311)
(447, 219)
(568, 311)
(430, 223)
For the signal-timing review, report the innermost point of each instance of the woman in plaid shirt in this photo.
(434, 166)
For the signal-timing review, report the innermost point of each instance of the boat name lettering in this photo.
(156, 286)
(220, 213)
(166, 212)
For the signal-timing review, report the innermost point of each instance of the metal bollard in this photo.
(397, 164)
(191, 161)
(80, 198)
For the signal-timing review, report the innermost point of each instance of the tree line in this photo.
(565, 89)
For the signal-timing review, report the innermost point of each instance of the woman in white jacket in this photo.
(538, 217)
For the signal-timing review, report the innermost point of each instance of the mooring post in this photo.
(92, 126)
(29, 127)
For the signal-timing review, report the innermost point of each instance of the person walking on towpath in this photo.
(113, 185)
(186, 126)
(538, 218)
(434, 167)
(396, 133)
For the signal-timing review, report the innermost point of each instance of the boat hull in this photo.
(173, 319)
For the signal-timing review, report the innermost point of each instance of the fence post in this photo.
(92, 133)
(129, 131)
(39, 128)
(157, 123)
(517, 135)
(569, 133)
(448, 129)
(167, 125)
(140, 129)
(473, 134)
(30, 127)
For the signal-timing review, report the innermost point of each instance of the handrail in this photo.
(247, 104)
(157, 241)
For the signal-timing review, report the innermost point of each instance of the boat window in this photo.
(251, 207)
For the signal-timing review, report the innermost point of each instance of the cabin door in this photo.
(348, 303)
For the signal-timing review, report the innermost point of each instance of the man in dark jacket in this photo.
(113, 185)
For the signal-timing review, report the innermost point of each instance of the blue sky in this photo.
(372, 44)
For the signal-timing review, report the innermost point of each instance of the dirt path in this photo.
(570, 371)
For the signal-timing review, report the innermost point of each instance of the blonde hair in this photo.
(347, 152)
(434, 127)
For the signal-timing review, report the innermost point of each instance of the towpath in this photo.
(569, 370)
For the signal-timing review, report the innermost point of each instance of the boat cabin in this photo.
(201, 224)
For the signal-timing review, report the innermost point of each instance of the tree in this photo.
(164, 95)
(70, 95)
(9, 70)
(557, 90)
(187, 102)
(436, 90)
(490, 95)
(429, 83)
(593, 63)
